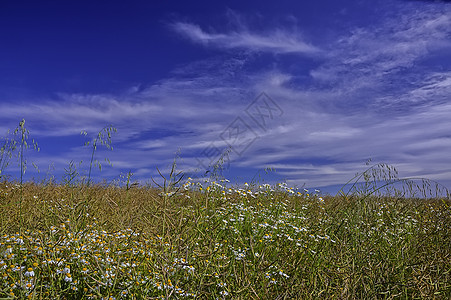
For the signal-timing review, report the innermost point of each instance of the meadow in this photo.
(210, 239)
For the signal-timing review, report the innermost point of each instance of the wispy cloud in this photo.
(372, 57)
(272, 41)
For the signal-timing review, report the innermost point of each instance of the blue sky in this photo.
(312, 89)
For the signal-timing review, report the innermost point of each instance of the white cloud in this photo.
(367, 57)
(431, 90)
(274, 41)
(418, 145)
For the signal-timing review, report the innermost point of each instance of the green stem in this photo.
(92, 159)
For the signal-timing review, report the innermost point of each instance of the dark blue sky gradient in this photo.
(80, 46)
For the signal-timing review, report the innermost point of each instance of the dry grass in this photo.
(212, 241)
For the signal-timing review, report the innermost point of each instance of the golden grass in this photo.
(212, 241)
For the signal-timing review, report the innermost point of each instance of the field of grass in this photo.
(211, 240)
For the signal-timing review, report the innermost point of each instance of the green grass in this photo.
(212, 241)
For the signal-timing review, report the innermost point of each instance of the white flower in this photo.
(29, 272)
(68, 278)
(29, 285)
(190, 269)
(283, 274)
